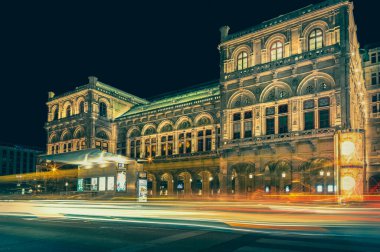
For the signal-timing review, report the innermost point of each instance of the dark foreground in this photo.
(187, 226)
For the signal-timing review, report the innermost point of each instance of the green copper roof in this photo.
(175, 99)
(286, 17)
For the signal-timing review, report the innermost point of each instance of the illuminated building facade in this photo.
(371, 65)
(287, 87)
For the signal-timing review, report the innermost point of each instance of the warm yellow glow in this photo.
(210, 178)
(321, 172)
(250, 175)
(348, 148)
(348, 183)
(283, 174)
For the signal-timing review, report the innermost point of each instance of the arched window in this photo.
(81, 107)
(55, 117)
(68, 111)
(315, 39)
(103, 109)
(242, 61)
(276, 51)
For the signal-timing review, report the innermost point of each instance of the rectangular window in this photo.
(373, 58)
(324, 118)
(188, 146)
(374, 109)
(200, 144)
(163, 149)
(269, 111)
(208, 132)
(200, 133)
(373, 78)
(154, 150)
(180, 147)
(374, 98)
(208, 144)
(170, 149)
(283, 124)
(248, 115)
(247, 129)
(309, 120)
(270, 126)
(283, 109)
(323, 102)
(237, 117)
(236, 130)
(309, 104)
(378, 57)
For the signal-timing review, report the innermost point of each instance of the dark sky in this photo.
(144, 48)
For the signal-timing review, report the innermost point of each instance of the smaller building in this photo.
(17, 159)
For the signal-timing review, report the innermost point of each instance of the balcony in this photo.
(310, 55)
(287, 137)
(65, 120)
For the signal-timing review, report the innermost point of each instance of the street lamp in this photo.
(66, 185)
(283, 174)
(321, 172)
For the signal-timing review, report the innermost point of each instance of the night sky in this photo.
(144, 48)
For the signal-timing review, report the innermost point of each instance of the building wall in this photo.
(371, 62)
(286, 86)
(17, 160)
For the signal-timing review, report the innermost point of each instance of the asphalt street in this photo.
(185, 226)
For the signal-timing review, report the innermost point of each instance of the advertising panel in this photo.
(110, 183)
(351, 165)
(142, 190)
(80, 185)
(94, 184)
(121, 181)
(102, 183)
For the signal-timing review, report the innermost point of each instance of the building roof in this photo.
(21, 147)
(285, 17)
(86, 157)
(176, 98)
(107, 89)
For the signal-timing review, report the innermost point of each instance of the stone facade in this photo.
(286, 86)
(371, 64)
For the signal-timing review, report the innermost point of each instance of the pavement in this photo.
(82, 225)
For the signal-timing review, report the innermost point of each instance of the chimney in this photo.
(92, 80)
(51, 95)
(224, 32)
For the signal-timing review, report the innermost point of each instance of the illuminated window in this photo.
(184, 145)
(319, 188)
(103, 109)
(330, 188)
(276, 51)
(315, 39)
(150, 147)
(167, 145)
(242, 61)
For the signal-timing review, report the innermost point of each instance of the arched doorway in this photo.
(166, 184)
(318, 176)
(184, 183)
(152, 185)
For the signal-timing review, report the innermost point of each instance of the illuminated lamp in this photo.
(210, 178)
(348, 183)
(348, 148)
(283, 174)
(328, 174)
(330, 188)
(250, 175)
(321, 172)
(191, 180)
(267, 189)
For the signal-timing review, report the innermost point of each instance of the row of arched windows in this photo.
(315, 41)
(68, 111)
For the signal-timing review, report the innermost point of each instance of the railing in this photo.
(282, 137)
(285, 61)
(192, 155)
(65, 119)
